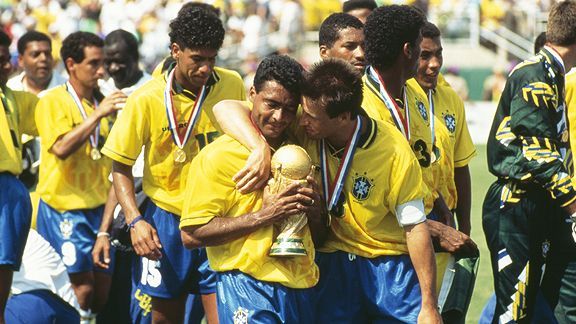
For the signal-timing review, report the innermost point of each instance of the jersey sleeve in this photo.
(129, 133)
(464, 149)
(52, 120)
(27, 105)
(209, 193)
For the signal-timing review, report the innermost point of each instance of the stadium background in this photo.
(482, 40)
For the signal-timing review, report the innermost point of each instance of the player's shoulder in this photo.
(56, 94)
(222, 147)
(153, 88)
(225, 75)
(389, 140)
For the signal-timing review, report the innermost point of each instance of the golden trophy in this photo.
(290, 164)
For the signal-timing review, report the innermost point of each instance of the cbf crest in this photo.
(362, 187)
(422, 110)
(66, 227)
(240, 316)
(450, 122)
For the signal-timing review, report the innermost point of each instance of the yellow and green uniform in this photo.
(77, 182)
(211, 192)
(571, 106)
(372, 191)
(16, 118)
(143, 122)
(420, 135)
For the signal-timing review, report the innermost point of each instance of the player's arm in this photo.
(70, 142)
(442, 211)
(101, 250)
(317, 214)
(275, 207)
(144, 237)
(463, 206)
(422, 257)
(448, 239)
(233, 116)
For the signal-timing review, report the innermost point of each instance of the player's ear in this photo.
(407, 50)
(324, 52)
(252, 94)
(175, 51)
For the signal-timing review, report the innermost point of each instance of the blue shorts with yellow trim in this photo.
(72, 234)
(243, 299)
(180, 270)
(15, 218)
(354, 289)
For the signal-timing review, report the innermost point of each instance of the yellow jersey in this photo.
(16, 118)
(144, 122)
(452, 138)
(419, 124)
(210, 192)
(372, 190)
(77, 182)
(571, 107)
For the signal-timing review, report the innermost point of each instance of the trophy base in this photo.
(288, 248)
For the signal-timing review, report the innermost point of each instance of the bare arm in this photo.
(422, 257)
(463, 185)
(442, 211)
(233, 116)
(144, 237)
(101, 250)
(70, 142)
(450, 240)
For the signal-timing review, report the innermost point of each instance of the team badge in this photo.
(450, 122)
(422, 110)
(545, 248)
(66, 228)
(362, 187)
(241, 316)
(541, 95)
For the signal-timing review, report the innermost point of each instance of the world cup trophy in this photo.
(290, 164)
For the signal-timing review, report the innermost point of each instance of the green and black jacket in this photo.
(528, 143)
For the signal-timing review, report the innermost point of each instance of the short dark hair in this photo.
(5, 40)
(336, 85)
(331, 27)
(561, 27)
(120, 36)
(31, 36)
(201, 5)
(539, 42)
(73, 45)
(196, 28)
(429, 30)
(358, 4)
(386, 31)
(282, 69)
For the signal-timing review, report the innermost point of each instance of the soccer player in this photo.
(73, 120)
(527, 211)
(35, 59)
(341, 36)
(171, 116)
(360, 9)
(239, 229)
(15, 205)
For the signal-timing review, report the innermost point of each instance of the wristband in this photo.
(135, 220)
(100, 234)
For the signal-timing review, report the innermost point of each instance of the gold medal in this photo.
(95, 154)
(179, 156)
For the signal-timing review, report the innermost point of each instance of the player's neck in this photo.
(35, 86)
(82, 91)
(132, 80)
(567, 53)
(392, 83)
(339, 139)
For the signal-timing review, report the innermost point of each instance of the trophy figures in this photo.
(290, 164)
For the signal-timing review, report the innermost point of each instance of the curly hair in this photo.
(201, 5)
(5, 40)
(73, 45)
(331, 27)
(350, 5)
(386, 31)
(282, 69)
(197, 28)
(429, 30)
(31, 36)
(336, 85)
(561, 27)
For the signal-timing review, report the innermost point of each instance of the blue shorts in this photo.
(72, 234)
(243, 299)
(39, 306)
(180, 270)
(15, 218)
(353, 289)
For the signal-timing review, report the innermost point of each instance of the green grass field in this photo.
(481, 180)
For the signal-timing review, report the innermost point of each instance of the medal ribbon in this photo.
(432, 121)
(402, 124)
(180, 141)
(333, 193)
(94, 138)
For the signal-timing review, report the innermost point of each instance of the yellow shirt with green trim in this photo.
(571, 106)
(77, 182)
(384, 174)
(16, 118)
(210, 192)
(420, 134)
(144, 122)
